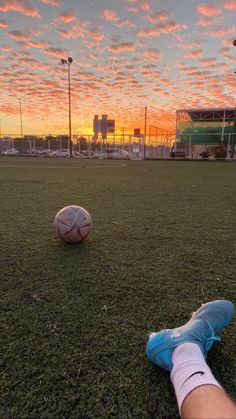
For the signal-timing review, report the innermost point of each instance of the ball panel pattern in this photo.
(73, 224)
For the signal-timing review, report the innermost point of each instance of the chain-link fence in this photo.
(205, 146)
(124, 146)
(192, 146)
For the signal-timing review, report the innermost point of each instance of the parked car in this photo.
(59, 153)
(204, 154)
(177, 153)
(82, 154)
(113, 153)
(219, 151)
(11, 152)
(43, 152)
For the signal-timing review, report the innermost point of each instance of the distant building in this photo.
(102, 126)
(206, 127)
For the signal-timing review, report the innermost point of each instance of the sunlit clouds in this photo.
(67, 16)
(208, 9)
(21, 6)
(127, 54)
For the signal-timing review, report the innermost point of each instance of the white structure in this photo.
(104, 126)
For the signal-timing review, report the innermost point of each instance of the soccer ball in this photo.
(72, 224)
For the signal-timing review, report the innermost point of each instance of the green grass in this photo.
(75, 318)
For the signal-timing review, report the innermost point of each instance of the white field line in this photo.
(60, 167)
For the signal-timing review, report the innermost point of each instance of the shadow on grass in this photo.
(223, 368)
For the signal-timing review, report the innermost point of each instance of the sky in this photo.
(127, 54)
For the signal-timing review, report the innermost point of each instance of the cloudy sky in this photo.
(128, 54)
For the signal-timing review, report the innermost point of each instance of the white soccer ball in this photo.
(72, 224)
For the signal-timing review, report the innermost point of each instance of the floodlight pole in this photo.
(234, 134)
(68, 62)
(21, 124)
(4, 116)
(20, 107)
(69, 109)
(145, 132)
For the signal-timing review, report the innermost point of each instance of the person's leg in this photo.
(183, 350)
(198, 393)
(208, 402)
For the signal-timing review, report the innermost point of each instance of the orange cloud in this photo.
(125, 46)
(51, 2)
(228, 43)
(167, 27)
(34, 64)
(157, 17)
(172, 27)
(3, 24)
(95, 35)
(68, 34)
(207, 21)
(20, 6)
(6, 48)
(18, 36)
(154, 74)
(110, 15)
(76, 31)
(208, 9)
(146, 33)
(36, 31)
(146, 6)
(208, 62)
(56, 52)
(191, 45)
(230, 5)
(38, 44)
(86, 75)
(195, 53)
(152, 55)
(67, 16)
(128, 23)
(221, 32)
(132, 10)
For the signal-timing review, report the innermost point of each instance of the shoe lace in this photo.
(212, 338)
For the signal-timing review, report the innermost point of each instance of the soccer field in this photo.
(75, 318)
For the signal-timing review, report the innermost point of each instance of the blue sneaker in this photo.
(201, 329)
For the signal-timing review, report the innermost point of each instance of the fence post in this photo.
(232, 146)
(190, 146)
(90, 146)
(101, 144)
(228, 148)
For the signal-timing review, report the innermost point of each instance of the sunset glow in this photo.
(127, 54)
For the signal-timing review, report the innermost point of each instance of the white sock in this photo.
(189, 371)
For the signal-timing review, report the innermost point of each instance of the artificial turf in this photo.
(75, 318)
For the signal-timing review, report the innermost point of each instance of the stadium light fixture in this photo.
(69, 61)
